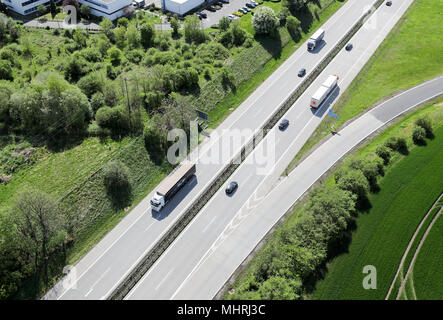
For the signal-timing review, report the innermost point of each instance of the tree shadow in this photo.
(272, 44)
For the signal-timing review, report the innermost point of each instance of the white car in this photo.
(231, 17)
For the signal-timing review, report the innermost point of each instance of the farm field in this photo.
(410, 54)
(407, 191)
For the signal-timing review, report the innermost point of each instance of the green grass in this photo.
(410, 54)
(382, 233)
(427, 277)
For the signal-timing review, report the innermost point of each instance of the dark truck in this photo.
(171, 185)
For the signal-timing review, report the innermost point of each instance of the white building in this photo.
(180, 7)
(111, 9)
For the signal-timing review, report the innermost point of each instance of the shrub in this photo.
(383, 152)
(293, 26)
(397, 144)
(114, 119)
(418, 135)
(224, 24)
(117, 182)
(426, 124)
(265, 21)
(355, 182)
(5, 70)
(97, 101)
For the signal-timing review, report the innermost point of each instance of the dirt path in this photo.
(400, 267)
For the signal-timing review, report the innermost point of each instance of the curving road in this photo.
(106, 265)
(226, 230)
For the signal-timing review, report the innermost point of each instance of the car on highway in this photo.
(231, 187)
(389, 3)
(211, 8)
(302, 72)
(283, 124)
(349, 47)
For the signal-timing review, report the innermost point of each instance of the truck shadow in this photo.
(175, 201)
(324, 107)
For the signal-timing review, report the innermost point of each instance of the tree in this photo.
(355, 182)
(117, 182)
(383, 152)
(293, 25)
(5, 70)
(279, 288)
(85, 10)
(175, 25)
(76, 67)
(426, 124)
(115, 55)
(283, 14)
(295, 5)
(25, 109)
(133, 37)
(224, 23)
(418, 135)
(116, 119)
(239, 34)
(97, 101)
(106, 26)
(120, 37)
(147, 33)
(193, 31)
(265, 21)
(41, 9)
(41, 227)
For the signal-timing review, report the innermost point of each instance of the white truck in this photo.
(315, 39)
(170, 186)
(322, 92)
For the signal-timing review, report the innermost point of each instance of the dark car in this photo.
(242, 11)
(349, 47)
(219, 3)
(283, 124)
(231, 187)
(212, 8)
(250, 5)
(302, 72)
(225, 1)
(199, 15)
(389, 3)
(203, 14)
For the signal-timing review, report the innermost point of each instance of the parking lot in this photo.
(226, 10)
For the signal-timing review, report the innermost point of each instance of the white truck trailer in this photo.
(171, 184)
(322, 92)
(315, 39)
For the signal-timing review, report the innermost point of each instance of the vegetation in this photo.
(344, 223)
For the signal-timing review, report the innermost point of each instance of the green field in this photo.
(410, 54)
(407, 191)
(427, 276)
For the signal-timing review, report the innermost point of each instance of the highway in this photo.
(178, 273)
(99, 272)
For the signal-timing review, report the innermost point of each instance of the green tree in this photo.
(265, 21)
(41, 9)
(117, 182)
(106, 26)
(278, 288)
(224, 24)
(147, 32)
(355, 182)
(383, 152)
(193, 30)
(418, 135)
(175, 25)
(133, 37)
(5, 70)
(120, 37)
(115, 119)
(115, 55)
(239, 34)
(426, 124)
(293, 26)
(97, 101)
(85, 10)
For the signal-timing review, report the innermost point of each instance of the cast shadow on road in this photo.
(324, 107)
(176, 199)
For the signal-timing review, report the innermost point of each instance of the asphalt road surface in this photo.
(99, 272)
(178, 274)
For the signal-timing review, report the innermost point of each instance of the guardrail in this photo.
(165, 241)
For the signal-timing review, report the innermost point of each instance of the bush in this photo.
(265, 21)
(397, 144)
(5, 70)
(97, 101)
(224, 24)
(418, 135)
(293, 26)
(355, 182)
(426, 124)
(117, 182)
(114, 119)
(383, 152)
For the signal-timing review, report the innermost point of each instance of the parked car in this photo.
(211, 8)
(349, 47)
(231, 17)
(256, 3)
(203, 15)
(225, 1)
(199, 15)
(302, 72)
(283, 124)
(219, 3)
(231, 187)
(250, 5)
(389, 3)
(246, 9)
(242, 11)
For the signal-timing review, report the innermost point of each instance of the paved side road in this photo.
(252, 225)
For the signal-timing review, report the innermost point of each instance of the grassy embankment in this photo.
(410, 54)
